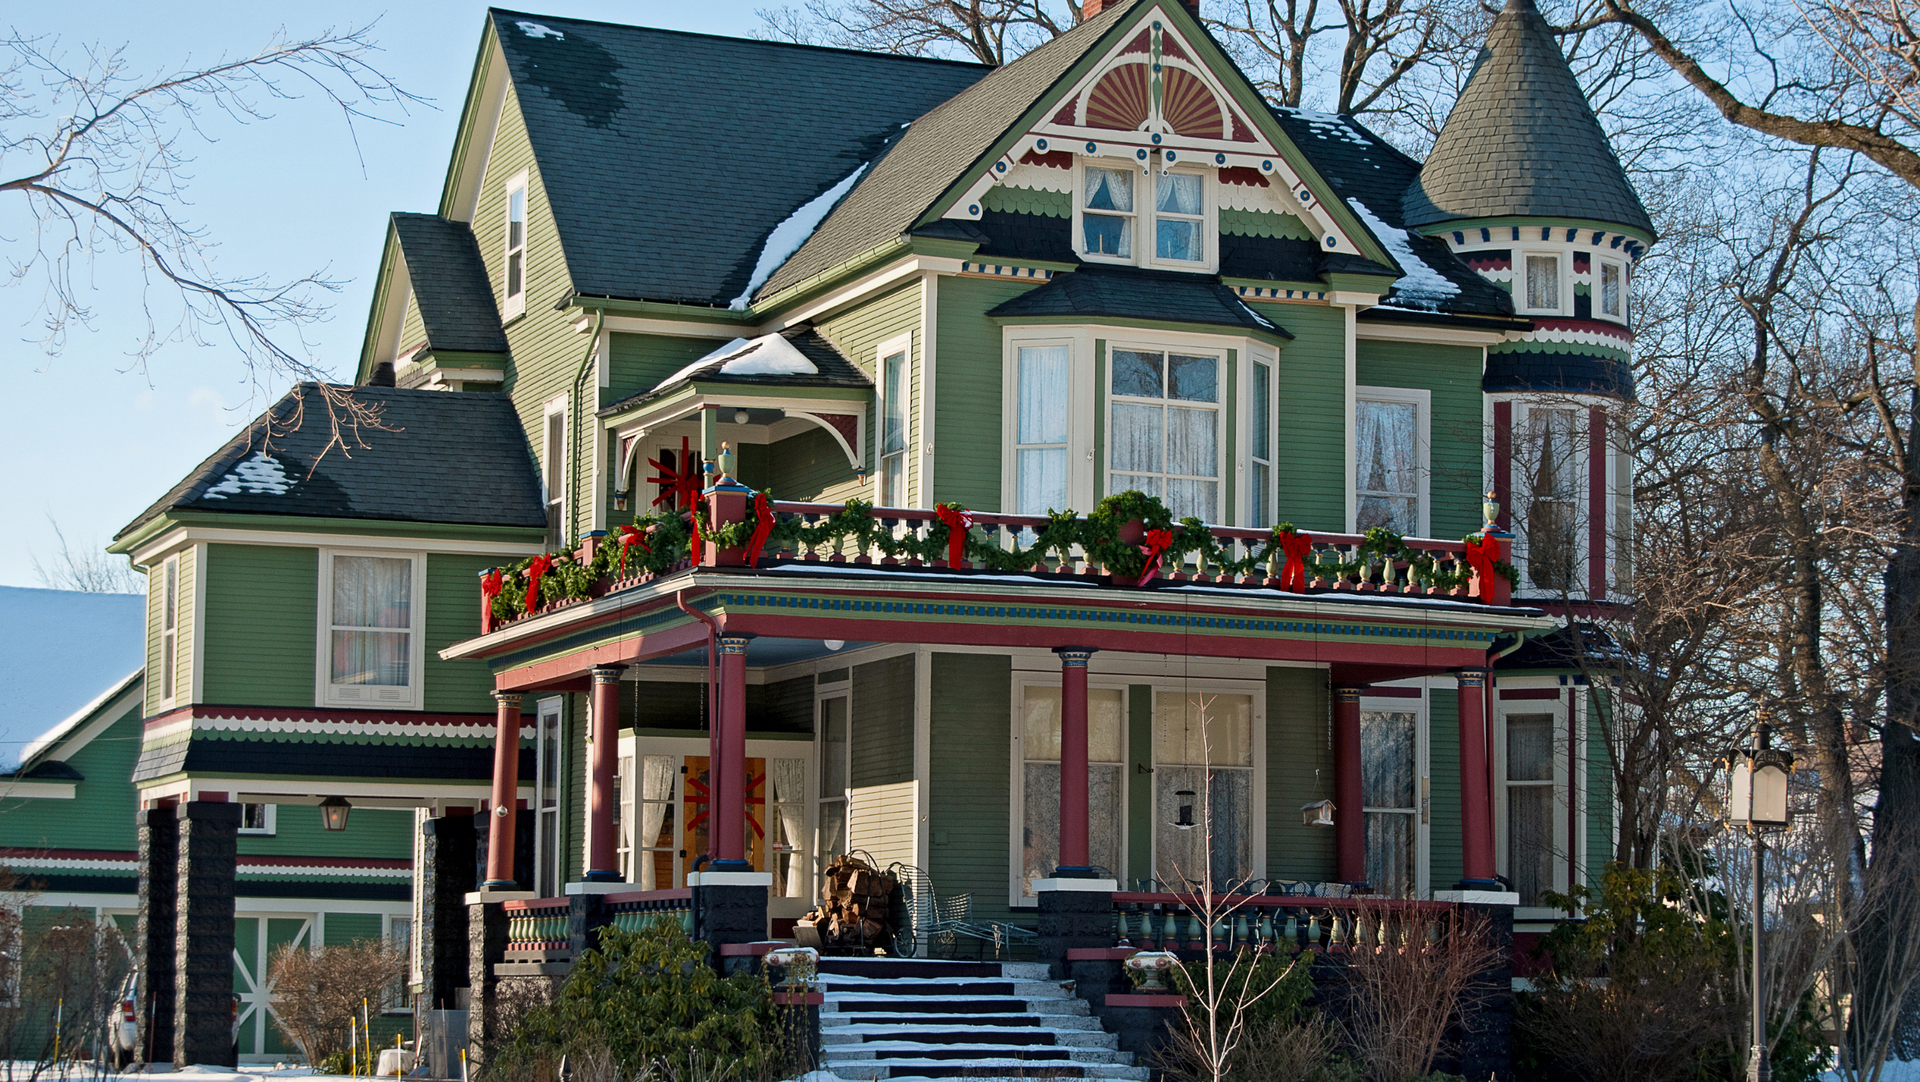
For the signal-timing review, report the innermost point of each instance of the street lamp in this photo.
(1757, 800)
(333, 813)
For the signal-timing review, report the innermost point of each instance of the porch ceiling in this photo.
(1363, 638)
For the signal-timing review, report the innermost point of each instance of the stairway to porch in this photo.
(897, 1019)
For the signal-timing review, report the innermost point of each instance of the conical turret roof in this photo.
(1522, 140)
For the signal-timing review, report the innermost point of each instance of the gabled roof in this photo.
(830, 368)
(450, 284)
(442, 457)
(1129, 293)
(641, 135)
(1522, 140)
(55, 770)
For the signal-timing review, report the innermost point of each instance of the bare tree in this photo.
(88, 569)
(989, 31)
(1363, 47)
(99, 152)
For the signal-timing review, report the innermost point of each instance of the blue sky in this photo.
(89, 442)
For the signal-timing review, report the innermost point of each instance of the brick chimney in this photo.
(1090, 8)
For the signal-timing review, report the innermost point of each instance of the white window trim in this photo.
(1225, 480)
(1522, 497)
(1081, 468)
(1598, 264)
(549, 453)
(1255, 692)
(1565, 263)
(170, 635)
(1145, 202)
(899, 344)
(272, 821)
(554, 706)
(1016, 841)
(416, 640)
(822, 692)
(1422, 400)
(1243, 454)
(1561, 842)
(1423, 780)
(515, 306)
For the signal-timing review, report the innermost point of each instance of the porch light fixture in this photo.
(1757, 800)
(833, 644)
(1317, 814)
(333, 813)
(740, 417)
(1185, 819)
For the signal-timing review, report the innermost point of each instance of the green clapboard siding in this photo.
(1452, 375)
(811, 466)
(1599, 790)
(350, 927)
(453, 615)
(1299, 770)
(858, 333)
(261, 620)
(1443, 767)
(972, 738)
(786, 706)
(377, 833)
(100, 816)
(639, 362)
(967, 392)
(1310, 420)
(882, 735)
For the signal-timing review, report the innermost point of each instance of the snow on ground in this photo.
(788, 236)
(1895, 1071)
(1422, 285)
(58, 650)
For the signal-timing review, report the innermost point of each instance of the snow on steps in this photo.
(907, 1020)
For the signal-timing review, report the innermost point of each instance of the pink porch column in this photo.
(727, 773)
(603, 750)
(1349, 795)
(506, 790)
(1074, 860)
(1476, 796)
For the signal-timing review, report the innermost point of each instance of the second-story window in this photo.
(1543, 282)
(1552, 494)
(1117, 201)
(894, 380)
(1613, 290)
(1260, 484)
(1040, 429)
(554, 476)
(169, 627)
(371, 606)
(516, 249)
(1387, 465)
(1165, 429)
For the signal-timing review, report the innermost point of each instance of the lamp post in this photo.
(1757, 800)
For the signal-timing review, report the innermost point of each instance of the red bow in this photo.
(1157, 542)
(535, 569)
(959, 520)
(630, 536)
(1480, 552)
(1293, 576)
(762, 528)
(490, 584)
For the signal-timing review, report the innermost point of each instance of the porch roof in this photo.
(1362, 637)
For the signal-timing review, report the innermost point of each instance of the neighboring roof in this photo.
(456, 458)
(936, 150)
(831, 368)
(58, 649)
(641, 135)
(41, 744)
(1138, 294)
(450, 284)
(1522, 140)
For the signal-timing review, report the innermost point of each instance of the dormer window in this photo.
(1613, 289)
(1179, 217)
(1542, 282)
(1112, 198)
(1106, 223)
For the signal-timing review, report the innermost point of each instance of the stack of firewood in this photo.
(854, 910)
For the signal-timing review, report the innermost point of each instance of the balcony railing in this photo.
(537, 925)
(1119, 545)
(1177, 922)
(637, 909)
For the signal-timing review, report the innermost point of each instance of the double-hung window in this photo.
(895, 386)
(370, 612)
(1389, 763)
(1612, 301)
(1045, 378)
(1542, 284)
(1260, 449)
(1179, 217)
(554, 475)
(1040, 781)
(1530, 825)
(1106, 216)
(550, 764)
(515, 302)
(1390, 459)
(1202, 789)
(1165, 429)
(169, 627)
(1552, 496)
(836, 769)
(1113, 200)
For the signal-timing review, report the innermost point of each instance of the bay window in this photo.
(1044, 381)
(1552, 472)
(1165, 429)
(370, 629)
(1613, 290)
(1260, 449)
(1040, 781)
(169, 628)
(1202, 783)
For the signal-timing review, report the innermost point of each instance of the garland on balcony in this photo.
(657, 542)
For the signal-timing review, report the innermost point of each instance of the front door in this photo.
(696, 797)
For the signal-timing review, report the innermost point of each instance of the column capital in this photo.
(1471, 678)
(1075, 657)
(1347, 693)
(607, 674)
(508, 698)
(735, 643)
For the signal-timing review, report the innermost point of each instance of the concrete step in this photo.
(935, 986)
(902, 1070)
(968, 1034)
(896, 1050)
(950, 1004)
(831, 1020)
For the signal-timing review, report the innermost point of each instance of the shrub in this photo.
(1411, 980)
(319, 993)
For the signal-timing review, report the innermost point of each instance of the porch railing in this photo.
(634, 910)
(537, 924)
(1177, 922)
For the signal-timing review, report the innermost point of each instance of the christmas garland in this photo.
(657, 542)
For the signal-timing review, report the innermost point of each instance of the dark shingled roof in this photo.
(834, 371)
(442, 458)
(1139, 294)
(645, 122)
(1566, 373)
(938, 148)
(1522, 140)
(449, 284)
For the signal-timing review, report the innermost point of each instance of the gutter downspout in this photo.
(573, 448)
(713, 685)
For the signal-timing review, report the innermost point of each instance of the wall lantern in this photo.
(1757, 792)
(333, 813)
(1185, 819)
(1317, 814)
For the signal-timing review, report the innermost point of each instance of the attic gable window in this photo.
(1106, 223)
(516, 249)
(1168, 209)
(1179, 217)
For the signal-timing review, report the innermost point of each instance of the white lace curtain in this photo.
(372, 612)
(1387, 466)
(1045, 384)
(656, 796)
(789, 778)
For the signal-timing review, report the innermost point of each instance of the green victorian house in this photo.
(735, 398)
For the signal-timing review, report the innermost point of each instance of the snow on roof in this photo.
(1422, 286)
(260, 474)
(788, 236)
(1326, 124)
(58, 649)
(767, 355)
(78, 717)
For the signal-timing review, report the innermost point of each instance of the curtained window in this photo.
(1543, 283)
(1106, 781)
(370, 628)
(1040, 429)
(1389, 761)
(786, 827)
(1202, 744)
(1178, 221)
(1106, 218)
(1613, 289)
(834, 772)
(550, 758)
(1165, 433)
(1530, 804)
(1387, 465)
